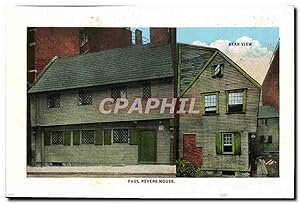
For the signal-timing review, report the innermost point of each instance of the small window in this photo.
(236, 101)
(217, 70)
(262, 122)
(147, 91)
(57, 137)
(85, 98)
(53, 101)
(227, 142)
(120, 136)
(83, 37)
(88, 137)
(210, 103)
(265, 139)
(120, 92)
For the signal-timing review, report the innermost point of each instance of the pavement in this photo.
(138, 171)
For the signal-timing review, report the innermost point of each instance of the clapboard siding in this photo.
(206, 127)
(70, 113)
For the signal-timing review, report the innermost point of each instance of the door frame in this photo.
(155, 147)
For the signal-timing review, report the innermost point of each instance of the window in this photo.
(147, 91)
(53, 101)
(120, 92)
(88, 137)
(236, 101)
(210, 103)
(265, 139)
(262, 122)
(57, 137)
(85, 98)
(83, 37)
(217, 70)
(120, 136)
(228, 143)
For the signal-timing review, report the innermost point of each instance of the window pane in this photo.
(227, 142)
(147, 91)
(120, 136)
(57, 138)
(53, 101)
(235, 102)
(210, 103)
(85, 98)
(87, 137)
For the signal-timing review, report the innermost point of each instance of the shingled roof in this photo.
(121, 65)
(267, 112)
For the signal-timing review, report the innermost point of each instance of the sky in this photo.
(254, 59)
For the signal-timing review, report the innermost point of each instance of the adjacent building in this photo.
(217, 138)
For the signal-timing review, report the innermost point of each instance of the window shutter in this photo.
(47, 138)
(107, 137)
(227, 101)
(222, 69)
(237, 143)
(76, 137)
(244, 100)
(219, 143)
(171, 122)
(99, 136)
(67, 138)
(134, 137)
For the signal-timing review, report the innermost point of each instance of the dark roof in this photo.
(121, 65)
(267, 112)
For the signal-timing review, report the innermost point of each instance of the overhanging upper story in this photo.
(70, 89)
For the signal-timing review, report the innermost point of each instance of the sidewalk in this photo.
(104, 171)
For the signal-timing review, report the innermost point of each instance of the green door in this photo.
(147, 147)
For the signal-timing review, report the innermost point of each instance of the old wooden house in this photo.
(67, 127)
(217, 138)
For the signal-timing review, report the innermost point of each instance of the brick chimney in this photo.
(138, 37)
(159, 36)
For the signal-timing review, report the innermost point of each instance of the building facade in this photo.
(69, 129)
(217, 138)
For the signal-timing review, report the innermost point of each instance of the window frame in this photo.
(63, 137)
(87, 130)
(221, 70)
(84, 92)
(203, 102)
(232, 142)
(50, 97)
(112, 136)
(244, 92)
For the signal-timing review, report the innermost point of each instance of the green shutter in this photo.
(107, 137)
(237, 143)
(99, 136)
(217, 103)
(134, 137)
(227, 103)
(172, 122)
(47, 138)
(222, 69)
(67, 138)
(219, 143)
(76, 137)
(244, 100)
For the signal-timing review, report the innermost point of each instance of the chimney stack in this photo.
(159, 36)
(138, 37)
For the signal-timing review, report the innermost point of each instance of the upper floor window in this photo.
(236, 101)
(262, 122)
(147, 91)
(57, 137)
(217, 70)
(120, 92)
(53, 101)
(85, 98)
(83, 37)
(210, 103)
(120, 136)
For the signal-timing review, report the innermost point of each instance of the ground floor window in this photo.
(228, 142)
(120, 136)
(265, 139)
(57, 137)
(88, 137)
